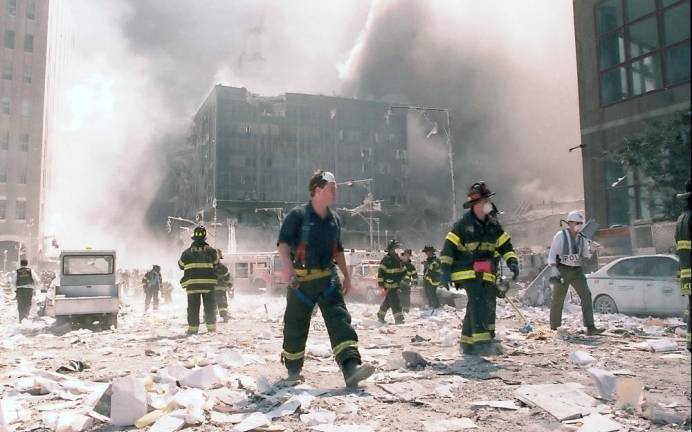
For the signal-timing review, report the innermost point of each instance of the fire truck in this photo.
(256, 272)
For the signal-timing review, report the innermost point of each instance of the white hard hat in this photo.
(575, 216)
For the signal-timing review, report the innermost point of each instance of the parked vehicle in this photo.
(256, 272)
(87, 291)
(640, 285)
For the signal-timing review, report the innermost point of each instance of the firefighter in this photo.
(390, 276)
(152, 285)
(199, 279)
(431, 276)
(568, 252)
(25, 284)
(683, 239)
(467, 261)
(309, 246)
(410, 279)
(223, 284)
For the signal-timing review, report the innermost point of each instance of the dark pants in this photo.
(573, 276)
(221, 301)
(689, 323)
(492, 313)
(342, 336)
(431, 295)
(391, 300)
(405, 296)
(24, 296)
(195, 298)
(475, 328)
(149, 295)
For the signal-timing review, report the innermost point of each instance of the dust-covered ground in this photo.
(231, 380)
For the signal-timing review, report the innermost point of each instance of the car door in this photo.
(626, 285)
(662, 290)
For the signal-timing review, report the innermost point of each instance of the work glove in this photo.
(514, 268)
(555, 277)
(502, 288)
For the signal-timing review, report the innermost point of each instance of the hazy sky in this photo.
(133, 72)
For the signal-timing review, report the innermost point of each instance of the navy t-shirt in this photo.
(321, 236)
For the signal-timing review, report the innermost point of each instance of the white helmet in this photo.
(575, 216)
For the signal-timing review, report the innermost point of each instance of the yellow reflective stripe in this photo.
(344, 345)
(685, 273)
(489, 277)
(293, 356)
(193, 328)
(199, 282)
(392, 271)
(211, 326)
(509, 255)
(220, 288)
(504, 238)
(391, 284)
(303, 276)
(181, 264)
(198, 291)
(198, 266)
(380, 280)
(475, 338)
(453, 238)
(446, 260)
(684, 244)
(223, 309)
(461, 275)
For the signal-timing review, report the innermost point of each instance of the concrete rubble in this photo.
(148, 375)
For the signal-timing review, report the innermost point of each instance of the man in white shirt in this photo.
(567, 253)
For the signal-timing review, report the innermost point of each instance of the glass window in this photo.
(24, 143)
(31, 10)
(659, 267)
(20, 210)
(9, 39)
(676, 24)
(633, 267)
(3, 209)
(609, 16)
(88, 265)
(639, 8)
(7, 71)
(11, 6)
(28, 74)
(613, 85)
(5, 141)
(242, 270)
(643, 37)
(26, 108)
(646, 75)
(29, 43)
(612, 50)
(3, 171)
(677, 63)
(6, 105)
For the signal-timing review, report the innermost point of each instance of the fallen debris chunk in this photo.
(581, 358)
(414, 360)
(253, 421)
(72, 422)
(286, 408)
(628, 393)
(169, 423)
(73, 366)
(129, 401)
(507, 405)
(449, 425)
(221, 418)
(541, 334)
(599, 423)
(204, 378)
(342, 428)
(8, 412)
(662, 345)
(605, 381)
(658, 415)
(562, 401)
(406, 390)
(318, 418)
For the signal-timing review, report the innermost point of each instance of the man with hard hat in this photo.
(198, 263)
(568, 252)
(389, 277)
(310, 249)
(683, 239)
(468, 261)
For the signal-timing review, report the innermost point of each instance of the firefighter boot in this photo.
(594, 331)
(355, 373)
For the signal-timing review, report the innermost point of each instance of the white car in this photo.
(641, 285)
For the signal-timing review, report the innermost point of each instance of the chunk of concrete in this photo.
(318, 418)
(253, 421)
(605, 381)
(506, 404)
(169, 423)
(204, 378)
(8, 412)
(599, 423)
(562, 401)
(449, 425)
(662, 345)
(414, 360)
(128, 401)
(629, 393)
(73, 422)
(581, 358)
(661, 416)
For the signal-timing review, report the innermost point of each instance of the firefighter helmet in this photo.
(200, 233)
(477, 191)
(429, 248)
(393, 244)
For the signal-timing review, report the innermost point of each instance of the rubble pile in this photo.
(147, 375)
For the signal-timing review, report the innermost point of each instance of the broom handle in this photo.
(516, 309)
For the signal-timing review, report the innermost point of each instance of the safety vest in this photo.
(572, 249)
(24, 277)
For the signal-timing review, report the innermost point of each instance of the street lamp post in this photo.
(450, 151)
(370, 201)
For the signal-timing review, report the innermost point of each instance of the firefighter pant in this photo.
(405, 295)
(299, 307)
(431, 295)
(24, 296)
(221, 301)
(689, 323)
(492, 311)
(391, 300)
(149, 295)
(475, 328)
(572, 276)
(197, 296)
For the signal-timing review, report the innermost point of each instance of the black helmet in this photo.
(393, 244)
(429, 248)
(200, 233)
(477, 191)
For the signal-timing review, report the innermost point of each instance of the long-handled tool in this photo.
(526, 328)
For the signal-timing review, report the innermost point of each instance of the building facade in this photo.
(256, 154)
(633, 60)
(24, 32)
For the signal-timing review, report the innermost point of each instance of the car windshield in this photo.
(88, 265)
(645, 267)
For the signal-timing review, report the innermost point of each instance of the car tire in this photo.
(604, 304)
